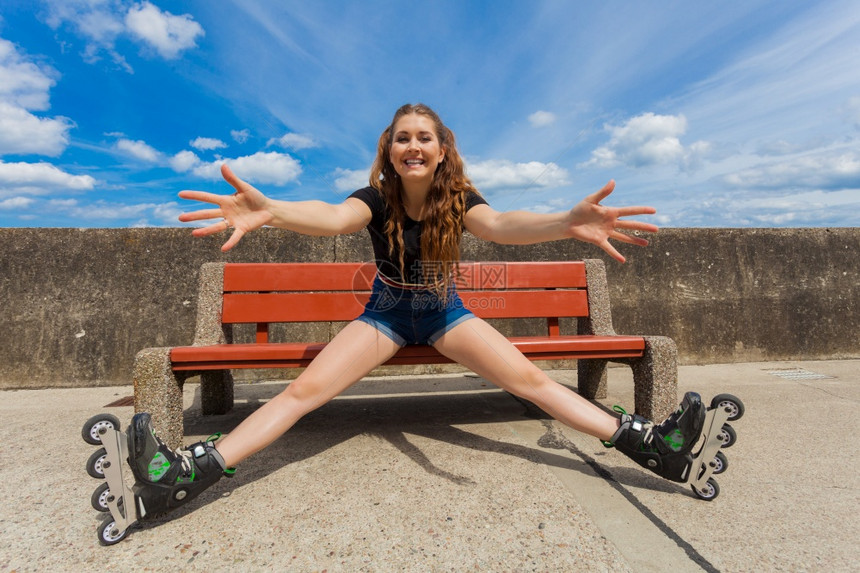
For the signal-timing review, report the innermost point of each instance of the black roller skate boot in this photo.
(166, 479)
(664, 449)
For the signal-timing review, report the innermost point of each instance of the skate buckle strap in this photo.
(228, 472)
(637, 425)
(618, 409)
(185, 459)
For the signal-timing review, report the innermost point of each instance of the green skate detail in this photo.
(675, 440)
(188, 479)
(618, 409)
(157, 467)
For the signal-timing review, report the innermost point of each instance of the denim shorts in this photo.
(412, 316)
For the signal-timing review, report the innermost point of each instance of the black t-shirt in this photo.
(388, 265)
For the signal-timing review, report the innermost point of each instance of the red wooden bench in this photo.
(270, 293)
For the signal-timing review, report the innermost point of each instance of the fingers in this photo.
(607, 246)
(231, 177)
(201, 196)
(630, 239)
(214, 228)
(231, 242)
(201, 215)
(599, 196)
(635, 211)
(636, 226)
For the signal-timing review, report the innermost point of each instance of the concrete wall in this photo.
(77, 304)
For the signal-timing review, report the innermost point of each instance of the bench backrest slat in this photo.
(292, 307)
(341, 306)
(295, 277)
(321, 292)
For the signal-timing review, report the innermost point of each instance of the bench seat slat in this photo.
(292, 355)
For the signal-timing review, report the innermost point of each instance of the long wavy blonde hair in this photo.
(445, 209)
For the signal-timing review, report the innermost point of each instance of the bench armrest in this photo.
(209, 329)
(599, 319)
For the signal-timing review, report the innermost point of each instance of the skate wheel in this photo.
(727, 436)
(99, 499)
(709, 492)
(101, 496)
(732, 403)
(90, 432)
(721, 463)
(96, 463)
(109, 533)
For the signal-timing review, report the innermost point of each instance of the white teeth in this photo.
(414, 162)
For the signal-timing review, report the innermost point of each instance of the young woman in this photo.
(416, 207)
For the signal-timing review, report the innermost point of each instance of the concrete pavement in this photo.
(446, 473)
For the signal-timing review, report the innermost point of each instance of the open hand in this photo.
(243, 211)
(594, 223)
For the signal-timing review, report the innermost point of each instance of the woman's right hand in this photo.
(244, 211)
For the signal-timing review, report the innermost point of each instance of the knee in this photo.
(302, 392)
(533, 384)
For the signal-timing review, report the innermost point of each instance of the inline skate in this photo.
(685, 447)
(164, 479)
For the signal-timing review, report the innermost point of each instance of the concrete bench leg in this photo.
(655, 379)
(216, 392)
(158, 390)
(591, 379)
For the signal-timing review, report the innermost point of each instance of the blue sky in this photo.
(719, 114)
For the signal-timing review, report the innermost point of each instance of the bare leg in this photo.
(355, 351)
(478, 346)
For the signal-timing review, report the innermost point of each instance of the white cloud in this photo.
(552, 206)
(23, 83)
(16, 203)
(207, 143)
(40, 177)
(22, 132)
(648, 139)
(139, 149)
(100, 25)
(184, 161)
(62, 203)
(262, 167)
(240, 135)
(102, 22)
(819, 171)
(104, 210)
(542, 118)
(24, 86)
(167, 33)
(777, 209)
(98, 22)
(98, 212)
(293, 141)
(503, 174)
(851, 111)
(349, 180)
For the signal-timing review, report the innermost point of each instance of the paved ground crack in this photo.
(554, 439)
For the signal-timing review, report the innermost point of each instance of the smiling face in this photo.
(415, 150)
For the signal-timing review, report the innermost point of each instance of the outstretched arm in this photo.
(248, 209)
(588, 221)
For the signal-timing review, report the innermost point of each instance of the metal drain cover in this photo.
(797, 374)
